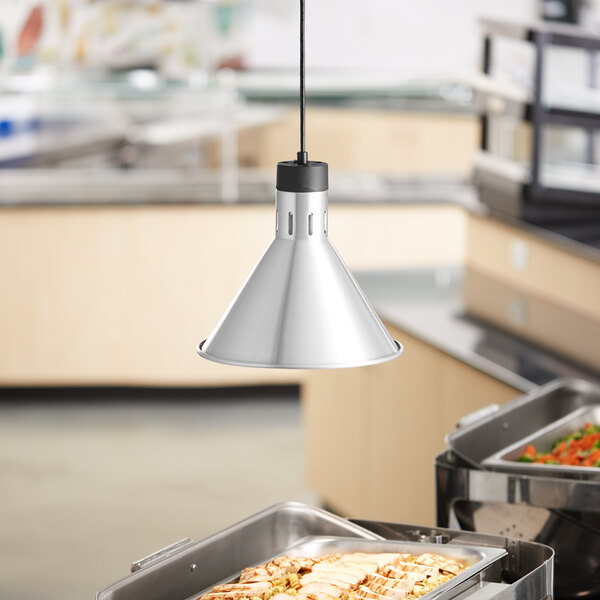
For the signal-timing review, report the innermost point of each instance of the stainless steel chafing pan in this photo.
(515, 570)
(475, 558)
(480, 489)
(506, 459)
(505, 429)
(187, 567)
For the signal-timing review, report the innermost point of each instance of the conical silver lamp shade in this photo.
(300, 308)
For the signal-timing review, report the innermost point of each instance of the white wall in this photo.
(408, 38)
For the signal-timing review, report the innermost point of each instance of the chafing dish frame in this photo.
(567, 507)
(166, 575)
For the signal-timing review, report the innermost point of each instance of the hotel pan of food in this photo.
(296, 552)
(553, 431)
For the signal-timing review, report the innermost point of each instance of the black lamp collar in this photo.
(294, 177)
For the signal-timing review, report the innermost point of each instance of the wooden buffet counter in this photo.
(121, 295)
(372, 433)
(520, 312)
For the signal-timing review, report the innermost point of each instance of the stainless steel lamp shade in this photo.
(300, 308)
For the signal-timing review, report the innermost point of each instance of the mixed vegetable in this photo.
(579, 449)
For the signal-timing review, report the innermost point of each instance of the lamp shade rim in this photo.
(260, 365)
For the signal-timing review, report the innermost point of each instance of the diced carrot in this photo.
(588, 442)
(562, 447)
(575, 452)
(594, 456)
(530, 451)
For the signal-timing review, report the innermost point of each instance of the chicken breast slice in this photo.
(399, 568)
(391, 588)
(294, 562)
(311, 596)
(341, 568)
(251, 589)
(441, 562)
(237, 591)
(279, 567)
(315, 587)
(255, 574)
(366, 567)
(335, 577)
(381, 559)
(366, 593)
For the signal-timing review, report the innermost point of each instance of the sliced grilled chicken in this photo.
(255, 574)
(366, 567)
(381, 559)
(338, 567)
(281, 596)
(297, 563)
(237, 591)
(312, 596)
(392, 588)
(440, 562)
(383, 576)
(378, 593)
(279, 567)
(410, 567)
(335, 577)
(253, 589)
(334, 591)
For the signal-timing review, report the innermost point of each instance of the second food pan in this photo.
(543, 440)
(496, 440)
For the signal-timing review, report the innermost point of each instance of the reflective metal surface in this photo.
(556, 512)
(300, 308)
(253, 540)
(524, 569)
(520, 418)
(433, 305)
(507, 459)
(527, 571)
(531, 503)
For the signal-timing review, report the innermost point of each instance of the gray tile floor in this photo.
(88, 486)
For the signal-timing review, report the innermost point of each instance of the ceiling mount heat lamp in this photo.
(300, 308)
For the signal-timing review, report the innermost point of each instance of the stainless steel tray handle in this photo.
(478, 414)
(161, 554)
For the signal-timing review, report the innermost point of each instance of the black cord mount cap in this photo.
(294, 177)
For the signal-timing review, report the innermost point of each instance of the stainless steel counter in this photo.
(432, 305)
(58, 187)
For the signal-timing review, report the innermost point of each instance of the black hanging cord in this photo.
(303, 154)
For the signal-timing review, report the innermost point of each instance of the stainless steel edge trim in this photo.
(376, 361)
(161, 554)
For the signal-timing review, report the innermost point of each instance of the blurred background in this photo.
(138, 145)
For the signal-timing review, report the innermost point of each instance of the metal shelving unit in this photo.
(537, 192)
